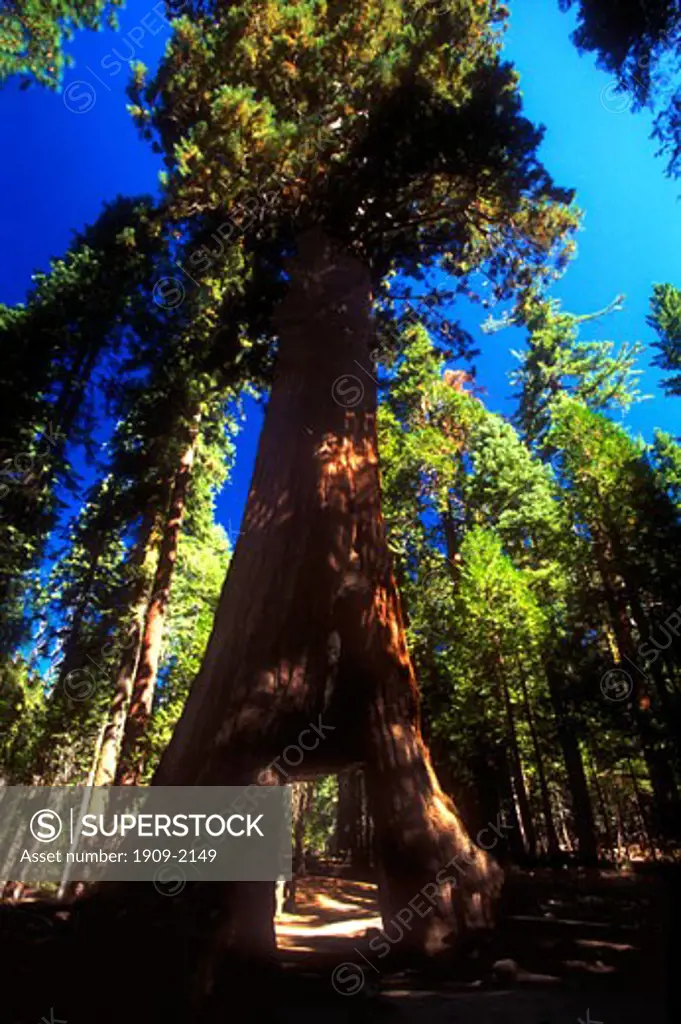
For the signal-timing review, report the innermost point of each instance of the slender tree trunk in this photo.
(579, 790)
(494, 795)
(309, 630)
(142, 555)
(601, 802)
(131, 759)
(516, 763)
(346, 814)
(562, 819)
(660, 771)
(350, 839)
(645, 830)
(551, 835)
(669, 702)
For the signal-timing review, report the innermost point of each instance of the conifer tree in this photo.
(632, 527)
(396, 132)
(33, 33)
(639, 44)
(51, 348)
(665, 319)
(557, 361)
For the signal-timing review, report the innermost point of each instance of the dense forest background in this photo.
(534, 531)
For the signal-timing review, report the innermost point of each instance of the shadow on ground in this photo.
(571, 946)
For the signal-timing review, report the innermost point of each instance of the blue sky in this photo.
(65, 153)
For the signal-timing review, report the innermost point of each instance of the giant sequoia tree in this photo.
(387, 138)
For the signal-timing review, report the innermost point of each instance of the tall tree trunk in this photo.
(309, 632)
(645, 830)
(662, 779)
(668, 699)
(140, 562)
(582, 811)
(515, 761)
(131, 759)
(551, 835)
(605, 814)
(350, 817)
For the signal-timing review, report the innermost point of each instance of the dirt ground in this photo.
(583, 946)
(571, 947)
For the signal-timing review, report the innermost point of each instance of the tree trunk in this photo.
(349, 824)
(545, 796)
(142, 554)
(668, 805)
(515, 761)
(605, 814)
(131, 760)
(308, 631)
(579, 790)
(645, 830)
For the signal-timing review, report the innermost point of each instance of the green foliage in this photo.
(665, 318)
(498, 567)
(33, 33)
(666, 456)
(393, 127)
(21, 706)
(556, 361)
(203, 559)
(51, 347)
(320, 823)
(639, 43)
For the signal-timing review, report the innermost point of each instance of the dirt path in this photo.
(585, 948)
(596, 943)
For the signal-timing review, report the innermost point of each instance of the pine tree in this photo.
(665, 318)
(632, 526)
(639, 44)
(666, 460)
(33, 33)
(557, 361)
(51, 348)
(449, 468)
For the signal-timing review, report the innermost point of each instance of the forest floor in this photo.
(571, 947)
(586, 946)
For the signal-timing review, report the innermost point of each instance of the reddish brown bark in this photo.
(131, 759)
(108, 752)
(309, 621)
